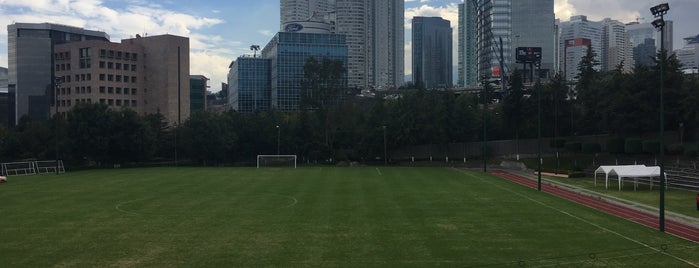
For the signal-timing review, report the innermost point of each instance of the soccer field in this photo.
(315, 216)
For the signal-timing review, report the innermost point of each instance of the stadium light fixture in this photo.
(659, 11)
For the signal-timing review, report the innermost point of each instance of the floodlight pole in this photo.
(538, 104)
(279, 133)
(485, 131)
(55, 117)
(659, 11)
(385, 153)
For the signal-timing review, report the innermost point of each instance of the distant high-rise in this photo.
(533, 26)
(249, 87)
(374, 32)
(197, 92)
(689, 54)
(616, 46)
(494, 24)
(30, 62)
(467, 45)
(432, 52)
(575, 36)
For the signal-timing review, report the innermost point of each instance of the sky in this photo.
(222, 30)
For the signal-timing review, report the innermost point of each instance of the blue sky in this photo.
(220, 31)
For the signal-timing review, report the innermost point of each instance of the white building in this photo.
(616, 46)
(689, 54)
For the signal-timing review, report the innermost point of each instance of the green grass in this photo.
(679, 201)
(320, 216)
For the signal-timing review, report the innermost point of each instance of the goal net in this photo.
(50, 166)
(276, 161)
(17, 168)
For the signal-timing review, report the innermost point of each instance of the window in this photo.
(126, 103)
(63, 103)
(103, 101)
(83, 77)
(89, 100)
(89, 77)
(118, 66)
(110, 90)
(126, 79)
(102, 64)
(133, 79)
(118, 102)
(110, 65)
(110, 102)
(118, 55)
(67, 78)
(58, 67)
(68, 91)
(135, 57)
(110, 54)
(133, 103)
(85, 58)
(110, 77)
(68, 103)
(133, 92)
(126, 67)
(102, 89)
(133, 67)
(77, 78)
(101, 77)
(103, 53)
(68, 66)
(82, 90)
(89, 90)
(118, 90)
(126, 91)
(118, 78)
(127, 55)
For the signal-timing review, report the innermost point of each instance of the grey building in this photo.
(30, 62)
(494, 23)
(4, 98)
(533, 26)
(432, 52)
(468, 71)
(576, 36)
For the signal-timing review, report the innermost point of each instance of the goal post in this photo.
(276, 160)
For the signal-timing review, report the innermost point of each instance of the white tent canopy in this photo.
(628, 171)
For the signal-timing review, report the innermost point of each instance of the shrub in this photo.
(573, 146)
(651, 146)
(591, 148)
(633, 146)
(691, 151)
(615, 145)
(675, 149)
(557, 143)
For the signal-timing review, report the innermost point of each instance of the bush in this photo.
(633, 146)
(591, 148)
(651, 146)
(557, 143)
(573, 146)
(675, 149)
(576, 174)
(691, 151)
(615, 145)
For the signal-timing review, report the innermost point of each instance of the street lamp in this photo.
(538, 104)
(279, 132)
(57, 83)
(658, 11)
(485, 130)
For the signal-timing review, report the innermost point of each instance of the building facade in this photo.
(575, 36)
(616, 46)
(249, 85)
(689, 54)
(432, 52)
(4, 98)
(30, 61)
(198, 84)
(494, 25)
(467, 46)
(146, 74)
(374, 34)
(288, 53)
(533, 26)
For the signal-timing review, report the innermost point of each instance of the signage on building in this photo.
(293, 27)
(528, 54)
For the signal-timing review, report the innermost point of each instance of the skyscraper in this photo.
(616, 46)
(533, 26)
(30, 62)
(374, 31)
(468, 71)
(575, 36)
(493, 25)
(432, 52)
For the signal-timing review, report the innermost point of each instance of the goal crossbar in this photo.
(276, 160)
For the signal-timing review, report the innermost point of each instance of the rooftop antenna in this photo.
(254, 48)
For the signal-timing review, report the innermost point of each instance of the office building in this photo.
(30, 62)
(288, 53)
(4, 98)
(467, 45)
(494, 25)
(689, 54)
(432, 52)
(533, 26)
(575, 36)
(249, 84)
(146, 74)
(198, 84)
(616, 46)
(374, 34)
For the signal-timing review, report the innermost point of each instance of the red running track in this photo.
(651, 220)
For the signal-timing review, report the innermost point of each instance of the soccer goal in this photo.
(50, 166)
(18, 168)
(276, 161)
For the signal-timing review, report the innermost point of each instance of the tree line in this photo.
(332, 125)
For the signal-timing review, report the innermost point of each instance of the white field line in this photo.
(581, 219)
(378, 171)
